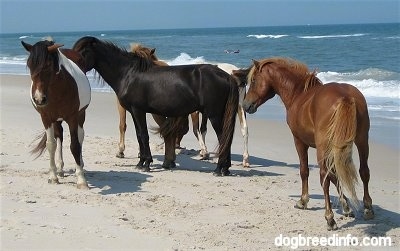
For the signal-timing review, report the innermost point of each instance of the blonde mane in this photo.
(145, 52)
(297, 68)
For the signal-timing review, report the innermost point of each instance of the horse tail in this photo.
(229, 119)
(41, 146)
(172, 126)
(341, 135)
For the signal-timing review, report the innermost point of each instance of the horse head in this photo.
(85, 47)
(44, 66)
(260, 89)
(241, 76)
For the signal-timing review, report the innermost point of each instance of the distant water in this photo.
(366, 56)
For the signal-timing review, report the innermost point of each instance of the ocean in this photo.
(364, 55)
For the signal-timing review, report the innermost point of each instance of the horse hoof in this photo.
(53, 181)
(204, 156)
(83, 186)
(140, 165)
(349, 214)
(226, 173)
(368, 214)
(169, 165)
(120, 155)
(246, 164)
(332, 227)
(300, 205)
(216, 174)
(60, 174)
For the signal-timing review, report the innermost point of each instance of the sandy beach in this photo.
(184, 209)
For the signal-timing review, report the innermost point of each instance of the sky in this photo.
(20, 16)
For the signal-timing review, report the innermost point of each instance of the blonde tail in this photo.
(339, 160)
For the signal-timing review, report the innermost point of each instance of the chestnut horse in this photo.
(60, 92)
(171, 91)
(329, 117)
(199, 131)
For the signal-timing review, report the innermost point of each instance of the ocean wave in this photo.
(185, 58)
(333, 36)
(22, 37)
(371, 82)
(267, 36)
(394, 37)
(13, 60)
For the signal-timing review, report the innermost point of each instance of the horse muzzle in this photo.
(249, 107)
(39, 100)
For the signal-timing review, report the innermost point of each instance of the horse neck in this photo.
(287, 86)
(112, 68)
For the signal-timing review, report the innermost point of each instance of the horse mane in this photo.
(39, 55)
(142, 64)
(297, 68)
(139, 63)
(145, 52)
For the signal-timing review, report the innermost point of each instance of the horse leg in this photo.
(196, 132)
(169, 155)
(224, 159)
(302, 151)
(183, 129)
(204, 154)
(51, 147)
(325, 182)
(58, 134)
(363, 152)
(344, 202)
(77, 134)
(142, 134)
(122, 130)
(245, 133)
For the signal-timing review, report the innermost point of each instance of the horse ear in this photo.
(27, 46)
(54, 47)
(152, 51)
(256, 63)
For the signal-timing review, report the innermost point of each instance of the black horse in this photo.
(172, 91)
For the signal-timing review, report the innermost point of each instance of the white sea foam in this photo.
(184, 58)
(22, 37)
(267, 36)
(371, 82)
(333, 36)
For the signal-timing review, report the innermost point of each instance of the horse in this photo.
(60, 91)
(199, 131)
(171, 91)
(329, 117)
(143, 51)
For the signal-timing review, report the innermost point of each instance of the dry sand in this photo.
(184, 209)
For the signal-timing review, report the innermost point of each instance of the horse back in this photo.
(310, 116)
(185, 88)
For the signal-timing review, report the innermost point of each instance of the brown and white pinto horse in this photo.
(60, 92)
(199, 131)
(329, 117)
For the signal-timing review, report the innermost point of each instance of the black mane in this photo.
(40, 55)
(139, 63)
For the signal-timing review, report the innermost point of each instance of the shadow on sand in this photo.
(115, 182)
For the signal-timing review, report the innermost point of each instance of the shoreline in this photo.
(186, 208)
(383, 131)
